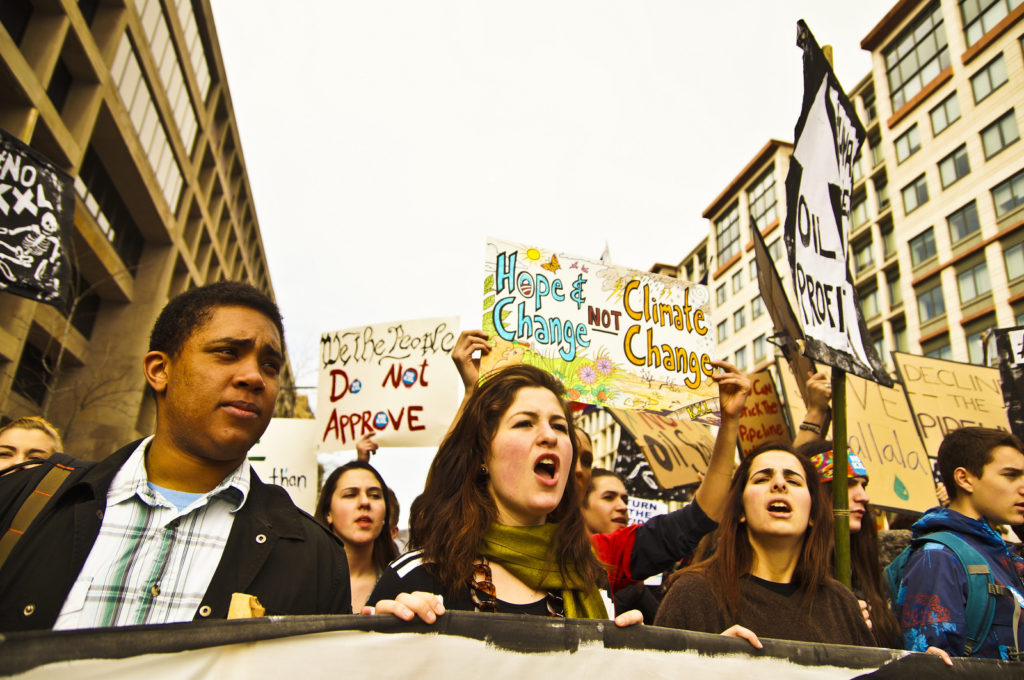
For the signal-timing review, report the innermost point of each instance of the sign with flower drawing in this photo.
(614, 336)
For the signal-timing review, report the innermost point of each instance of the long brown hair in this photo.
(734, 555)
(384, 550)
(448, 521)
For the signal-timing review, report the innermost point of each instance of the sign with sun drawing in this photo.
(614, 336)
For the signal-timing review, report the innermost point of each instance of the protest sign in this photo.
(614, 336)
(285, 456)
(1010, 348)
(37, 206)
(947, 395)
(641, 509)
(632, 467)
(675, 448)
(787, 328)
(762, 418)
(394, 379)
(880, 430)
(817, 228)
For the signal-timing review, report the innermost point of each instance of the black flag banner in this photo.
(36, 213)
(632, 466)
(1010, 347)
(817, 230)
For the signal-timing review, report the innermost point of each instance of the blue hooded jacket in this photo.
(932, 598)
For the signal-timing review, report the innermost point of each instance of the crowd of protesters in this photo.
(512, 517)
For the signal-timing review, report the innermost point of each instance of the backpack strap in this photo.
(981, 588)
(31, 507)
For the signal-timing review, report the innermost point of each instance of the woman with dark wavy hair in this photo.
(498, 526)
(770, 572)
(355, 505)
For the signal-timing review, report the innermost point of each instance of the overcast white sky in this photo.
(385, 140)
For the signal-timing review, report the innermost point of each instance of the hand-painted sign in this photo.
(37, 207)
(762, 418)
(615, 337)
(880, 430)
(677, 449)
(817, 229)
(1010, 347)
(285, 456)
(948, 395)
(641, 509)
(394, 379)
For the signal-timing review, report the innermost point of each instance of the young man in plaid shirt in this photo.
(167, 528)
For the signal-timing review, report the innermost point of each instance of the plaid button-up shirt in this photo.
(152, 563)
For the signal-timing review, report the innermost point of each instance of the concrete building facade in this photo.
(130, 97)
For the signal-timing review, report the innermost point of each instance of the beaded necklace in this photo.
(481, 589)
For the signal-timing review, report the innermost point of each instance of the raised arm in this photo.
(733, 389)
(468, 366)
(819, 395)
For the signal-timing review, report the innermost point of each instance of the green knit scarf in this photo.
(523, 551)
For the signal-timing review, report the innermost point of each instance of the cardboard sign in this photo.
(641, 509)
(285, 455)
(1010, 349)
(817, 228)
(37, 206)
(395, 379)
(880, 430)
(614, 336)
(676, 448)
(762, 418)
(947, 395)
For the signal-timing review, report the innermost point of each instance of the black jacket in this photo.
(274, 551)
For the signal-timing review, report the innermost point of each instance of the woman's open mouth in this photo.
(546, 468)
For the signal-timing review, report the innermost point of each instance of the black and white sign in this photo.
(36, 211)
(818, 186)
(1010, 347)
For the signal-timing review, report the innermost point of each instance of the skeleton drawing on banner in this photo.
(37, 253)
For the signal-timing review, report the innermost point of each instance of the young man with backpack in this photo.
(959, 587)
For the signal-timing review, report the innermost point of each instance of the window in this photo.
(879, 344)
(973, 282)
(760, 347)
(875, 142)
(60, 85)
(868, 100)
(869, 303)
(756, 307)
(762, 199)
(922, 246)
(857, 168)
(720, 295)
(859, 211)
(723, 330)
(775, 251)
(1014, 259)
(990, 78)
(727, 234)
(915, 194)
(899, 337)
(881, 183)
(194, 44)
(954, 166)
(908, 143)
(892, 284)
(103, 201)
(741, 358)
(930, 303)
(1000, 134)
(737, 281)
(1009, 194)
(888, 239)
(753, 270)
(739, 318)
(918, 55)
(945, 114)
(862, 256)
(941, 351)
(979, 16)
(976, 348)
(963, 222)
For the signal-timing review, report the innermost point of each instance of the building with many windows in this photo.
(129, 97)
